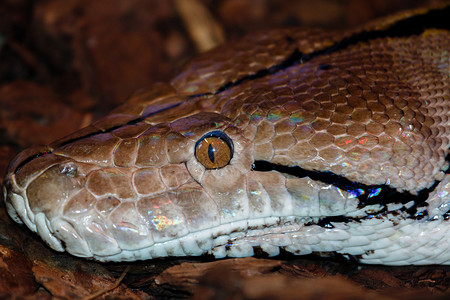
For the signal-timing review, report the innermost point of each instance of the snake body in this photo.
(295, 139)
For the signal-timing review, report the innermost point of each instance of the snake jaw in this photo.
(15, 206)
(18, 210)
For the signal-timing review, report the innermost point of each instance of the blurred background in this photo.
(65, 63)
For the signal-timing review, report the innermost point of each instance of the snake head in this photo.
(109, 193)
(37, 185)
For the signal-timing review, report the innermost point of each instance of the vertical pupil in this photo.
(211, 153)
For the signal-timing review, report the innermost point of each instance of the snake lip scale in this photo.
(295, 139)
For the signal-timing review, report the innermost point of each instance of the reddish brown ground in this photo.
(65, 63)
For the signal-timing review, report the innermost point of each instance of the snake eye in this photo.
(214, 150)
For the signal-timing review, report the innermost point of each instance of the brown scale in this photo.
(233, 61)
(348, 115)
(370, 117)
(375, 111)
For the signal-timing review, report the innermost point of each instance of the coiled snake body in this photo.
(291, 139)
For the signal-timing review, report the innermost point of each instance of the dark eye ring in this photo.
(214, 150)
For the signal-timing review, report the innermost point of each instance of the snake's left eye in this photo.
(214, 150)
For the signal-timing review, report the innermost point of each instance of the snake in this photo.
(293, 140)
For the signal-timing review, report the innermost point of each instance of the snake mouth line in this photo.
(366, 194)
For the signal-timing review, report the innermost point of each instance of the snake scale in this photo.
(295, 139)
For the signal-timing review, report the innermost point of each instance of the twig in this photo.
(110, 288)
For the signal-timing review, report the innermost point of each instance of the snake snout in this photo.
(37, 187)
(38, 181)
(16, 179)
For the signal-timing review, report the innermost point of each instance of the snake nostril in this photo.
(69, 169)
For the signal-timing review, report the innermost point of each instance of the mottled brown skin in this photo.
(375, 111)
